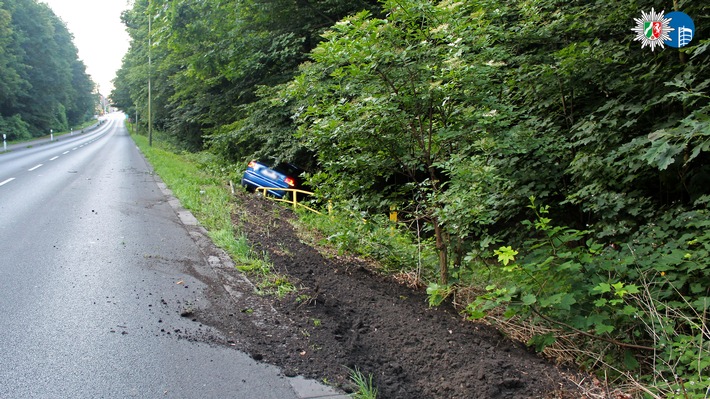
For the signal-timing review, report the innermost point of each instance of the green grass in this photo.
(56, 134)
(394, 249)
(365, 387)
(200, 185)
(201, 192)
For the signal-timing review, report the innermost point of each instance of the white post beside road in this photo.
(4, 142)
(51, 135)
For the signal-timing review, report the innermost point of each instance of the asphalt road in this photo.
(93, 274)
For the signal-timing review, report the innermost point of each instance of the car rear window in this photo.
(288, 169)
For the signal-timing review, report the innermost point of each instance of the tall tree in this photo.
(45, 84)
(210, 58)
(11, 82)
(388, 103)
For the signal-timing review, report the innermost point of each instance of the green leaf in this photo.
(702, 304)
(602, 328)
(475, 314)
(566, 301)
(632, 289)
(510, 312)
(437, 293)
(529, 299)
(629, 310)
(505, 254)
(662, 153)
(601, 288)
(630, 361)
(542, 341)
(600, 302)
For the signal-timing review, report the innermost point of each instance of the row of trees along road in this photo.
(548, 157)
(43, 84)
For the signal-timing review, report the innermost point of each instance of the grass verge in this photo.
(395, 250)
(193, 181)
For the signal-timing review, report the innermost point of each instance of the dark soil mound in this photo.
(346, 316)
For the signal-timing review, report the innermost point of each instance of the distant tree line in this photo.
(43, 84)
(209, 59)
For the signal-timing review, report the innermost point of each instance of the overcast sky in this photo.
(98, 34)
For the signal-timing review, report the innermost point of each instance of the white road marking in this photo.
(74, 148)
(52, 159)
(65, 153)
(7, 181)
(36, 167)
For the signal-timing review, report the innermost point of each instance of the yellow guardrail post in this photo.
(393, 218)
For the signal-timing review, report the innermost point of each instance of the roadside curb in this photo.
(217, 259)
(44, 140)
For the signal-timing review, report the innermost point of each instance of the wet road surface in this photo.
(94, 277)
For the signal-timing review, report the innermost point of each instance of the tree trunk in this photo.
(442, 249)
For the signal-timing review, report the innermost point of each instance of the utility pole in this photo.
(150, 72)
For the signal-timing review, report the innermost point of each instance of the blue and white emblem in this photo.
(684, 29)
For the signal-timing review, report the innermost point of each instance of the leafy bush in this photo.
(648, 297)
(14, 128)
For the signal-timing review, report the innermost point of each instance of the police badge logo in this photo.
(652, 29)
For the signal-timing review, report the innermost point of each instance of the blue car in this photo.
(284, 175)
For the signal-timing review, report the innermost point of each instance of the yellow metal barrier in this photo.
(294, 201)
(294, 196)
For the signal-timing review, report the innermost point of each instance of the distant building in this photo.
(103, 106)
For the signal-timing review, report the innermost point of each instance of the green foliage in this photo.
(652, 292)
(456, 113)
(14, 128)
(505, 255)
(438, 293)
(375, 238)
(365, 386)
(43, 84)
(264, 133)
(390, 103)
(210, 58)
